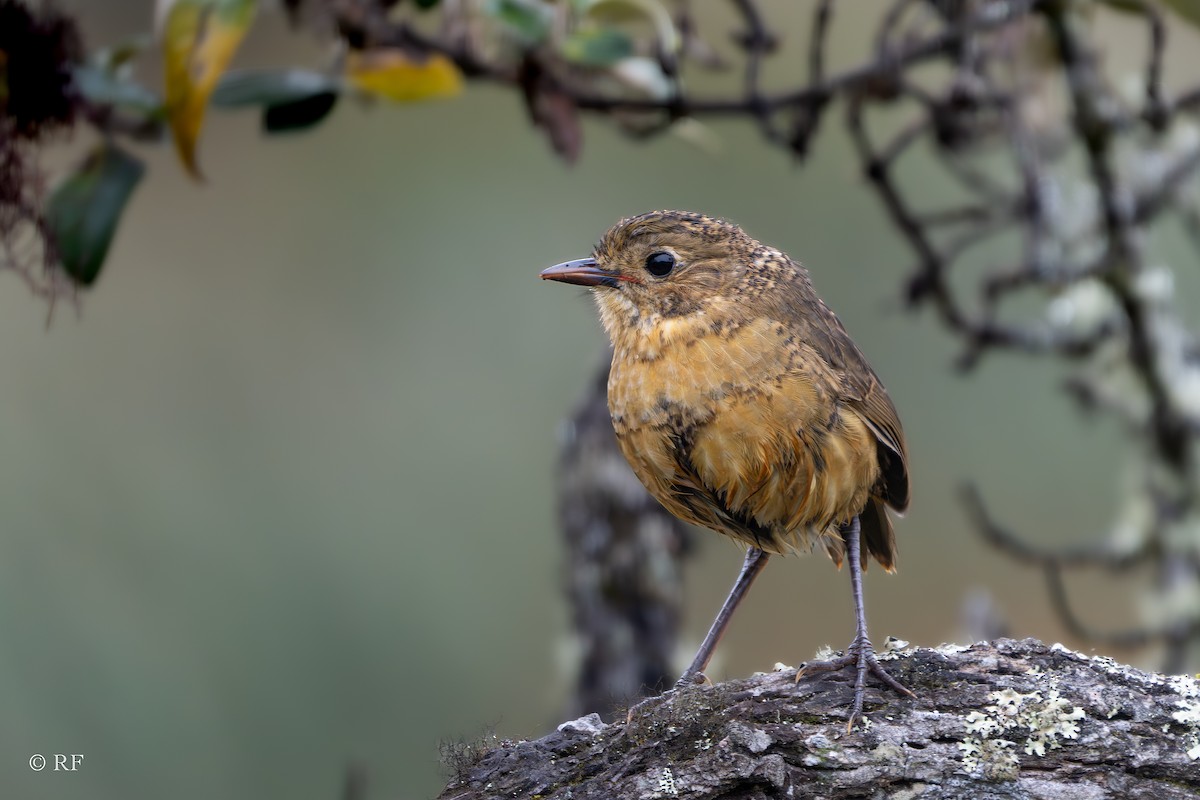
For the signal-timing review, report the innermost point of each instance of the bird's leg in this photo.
(756, 559)
(860, 653)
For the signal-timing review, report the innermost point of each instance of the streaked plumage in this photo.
(738, 397)
(743, 405)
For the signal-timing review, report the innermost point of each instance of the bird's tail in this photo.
(876, 538)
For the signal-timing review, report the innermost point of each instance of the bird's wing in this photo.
(863, 393)
(877, 411)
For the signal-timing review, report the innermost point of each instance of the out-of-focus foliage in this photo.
(199, 38)
(395, 75)
(84, 210)
(621, 46)
(291, 99)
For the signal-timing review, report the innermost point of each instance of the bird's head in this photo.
(667, 264)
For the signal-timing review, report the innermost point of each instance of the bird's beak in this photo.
(581, 271)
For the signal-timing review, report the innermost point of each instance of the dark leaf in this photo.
(426, 3)
(270, 87)
(299, 114)
(83, 212)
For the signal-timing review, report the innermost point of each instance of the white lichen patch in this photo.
(1184, 685)
(666, 783)
(1045, 719)
(893, 648)
(779, 667)
(1188, 713)
(591, 724)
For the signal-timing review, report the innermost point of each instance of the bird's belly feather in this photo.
(734, 432)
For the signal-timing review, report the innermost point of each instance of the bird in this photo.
(743, 406)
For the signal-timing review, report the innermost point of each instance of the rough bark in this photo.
(1010, 719)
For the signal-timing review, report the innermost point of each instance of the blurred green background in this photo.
(281, 496)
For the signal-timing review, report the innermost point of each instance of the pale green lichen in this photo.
(991, 758)
(1045, 719)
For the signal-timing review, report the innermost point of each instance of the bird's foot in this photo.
(861, 655)
(692, 679)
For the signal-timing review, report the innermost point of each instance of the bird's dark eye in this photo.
(660, 264)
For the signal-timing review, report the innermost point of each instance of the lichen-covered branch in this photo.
(1014, 719)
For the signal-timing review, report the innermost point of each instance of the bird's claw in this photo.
(861, 655)
(692, 679)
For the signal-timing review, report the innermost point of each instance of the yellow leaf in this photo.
(398, 76)
(199, 38)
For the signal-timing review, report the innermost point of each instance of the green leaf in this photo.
(623, 10)
(83, 212)
(122, 55)
(105, 89)
(298, 114)
(597, 47)
(529, 19)
(268, 87)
